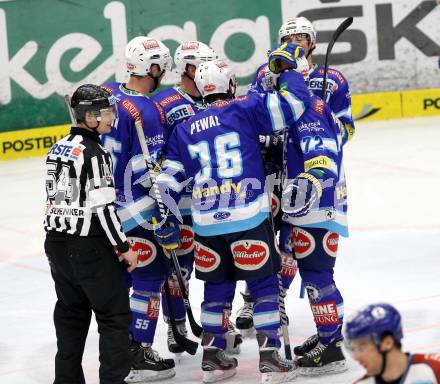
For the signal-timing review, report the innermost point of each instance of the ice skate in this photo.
(307, 346)
(273, 367)
(216, 365)
(244, 321)
(323, 359)
(147, 365)
(233, 340)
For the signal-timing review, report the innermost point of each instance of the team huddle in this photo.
(194, 178)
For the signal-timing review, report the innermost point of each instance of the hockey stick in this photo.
(283, 315)
(69, 108)
(195, 328)
(188, 345)
(281, 304)
(342, 27)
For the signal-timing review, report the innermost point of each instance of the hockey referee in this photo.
(82, 230)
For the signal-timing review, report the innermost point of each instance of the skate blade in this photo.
(279, 377)
(248, 333)
(218, 375)
(144, 375)
(335, 367)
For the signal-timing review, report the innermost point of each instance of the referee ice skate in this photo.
(82, 229)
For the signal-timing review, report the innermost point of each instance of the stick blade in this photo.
(342, 27)
(187, 345)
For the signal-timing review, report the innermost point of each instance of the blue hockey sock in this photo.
(326, 303)
(264, 293)
(176, 299)
(216, 308)
(145, 305)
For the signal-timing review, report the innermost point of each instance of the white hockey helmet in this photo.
(297, 25)
(142, 52)
(214, 77)
(194, 53)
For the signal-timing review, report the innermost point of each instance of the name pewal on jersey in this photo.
(219, 150)
(134, 204)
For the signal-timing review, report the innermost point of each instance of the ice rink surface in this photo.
(392, 254)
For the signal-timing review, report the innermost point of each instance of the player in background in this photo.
(219, 150)
(180, 103)
(300, 31)
(147, 60)
(314, 203)
(374, 337)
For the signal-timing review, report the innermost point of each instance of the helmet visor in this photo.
(108, 113)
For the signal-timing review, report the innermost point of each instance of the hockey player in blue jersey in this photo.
(301, 32)
(219, 150)
(314, 202)
(147, 60)
(180, 103)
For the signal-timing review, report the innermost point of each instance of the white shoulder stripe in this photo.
(295, 104)
(275, 111)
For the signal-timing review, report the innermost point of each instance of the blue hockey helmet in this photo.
(374, 321)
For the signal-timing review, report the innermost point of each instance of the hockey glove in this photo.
(300, 194)
(287, 56)
(269, 80)
(166, 235)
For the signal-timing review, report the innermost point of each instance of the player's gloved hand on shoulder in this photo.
(287, 56)
(300, 194)
(167, 234)
(269, 79)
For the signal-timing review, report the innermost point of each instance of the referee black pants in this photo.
(88, 277)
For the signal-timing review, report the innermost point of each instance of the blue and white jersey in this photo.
(315, 147)
(178, 107)
(338, 95)
(219, 150)
(134, 205)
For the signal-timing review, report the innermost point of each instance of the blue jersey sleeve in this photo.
(277, 110)
(340, 104)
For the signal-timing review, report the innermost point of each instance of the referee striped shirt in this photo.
(80, 189)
